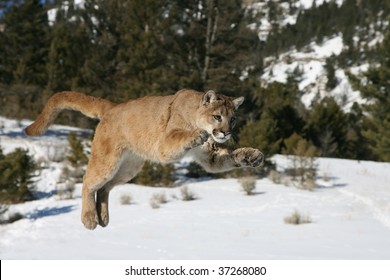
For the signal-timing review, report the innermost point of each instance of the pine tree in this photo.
(280, 118)
(327, 128)
(69, 48)
(129, 56)
(216, 44)
(358, 146)
(77, 156)
(16, 171)
(23, 43)
(263, 134)
(377, 89)
(331, 73)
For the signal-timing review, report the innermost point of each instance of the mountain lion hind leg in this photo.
(129, 168)
(102, 167)
(214, 158)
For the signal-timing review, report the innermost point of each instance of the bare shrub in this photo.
(154, 203)
(55, 151)
(66, 184)
(275, 176)
(157, 199)
(308, 185)
(3, 210)
(297, 219)
(77, 173)
(160, 197)
(125, 199)
(326, 177)
(303, 166)
(187, 194)
(248, 184)
(66, 190)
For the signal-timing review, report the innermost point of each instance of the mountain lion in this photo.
(156, 128)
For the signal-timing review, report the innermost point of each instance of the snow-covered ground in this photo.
(350, 214)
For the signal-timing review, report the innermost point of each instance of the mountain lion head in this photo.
(217, 115)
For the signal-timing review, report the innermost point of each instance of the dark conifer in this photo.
(17, 170)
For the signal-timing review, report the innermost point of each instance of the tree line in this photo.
(123, 49)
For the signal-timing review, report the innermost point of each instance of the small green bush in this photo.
(156, 175)
(197, 171)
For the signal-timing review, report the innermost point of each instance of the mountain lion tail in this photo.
(90, 106)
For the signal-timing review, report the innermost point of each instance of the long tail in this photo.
(90, 106)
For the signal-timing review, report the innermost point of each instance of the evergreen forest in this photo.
(123, 49)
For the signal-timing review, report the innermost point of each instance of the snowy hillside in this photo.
(349, 213)
(311, 65)
(309, 62)
(265, 25)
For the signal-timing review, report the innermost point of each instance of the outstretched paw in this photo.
(199, 139)
(248, 157)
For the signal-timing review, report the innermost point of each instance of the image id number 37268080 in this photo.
(232, 270)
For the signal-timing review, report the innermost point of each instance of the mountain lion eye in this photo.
(217, 117)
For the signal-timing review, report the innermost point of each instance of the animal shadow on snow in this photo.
(329, 182)
(50, 211)
(258, 193)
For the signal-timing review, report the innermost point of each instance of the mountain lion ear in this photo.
(238, 101)
(209, 97)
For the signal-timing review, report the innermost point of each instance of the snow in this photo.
(311, 60)
(311, 63)
(52, 13)
(287, 18)
(307, 4)
(350, 213)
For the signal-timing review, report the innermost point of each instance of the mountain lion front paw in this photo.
(199, 139)
(248, 157)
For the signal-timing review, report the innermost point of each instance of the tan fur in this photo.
(157, 128)
(90, 106)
